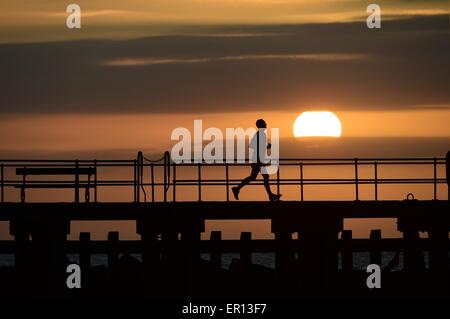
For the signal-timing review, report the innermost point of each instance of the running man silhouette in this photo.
(260, 138)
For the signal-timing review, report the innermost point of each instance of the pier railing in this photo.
(162, 177)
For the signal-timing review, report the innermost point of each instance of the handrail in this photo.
(146, 172)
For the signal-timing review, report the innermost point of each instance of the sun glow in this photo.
(317, 124)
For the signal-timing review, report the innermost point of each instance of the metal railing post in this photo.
(140, 163)
(447, 170)
(2, 191)
(165, 178)
(174, 182)
(434, 178)
(278, 180)
(227, 182)
(77, 183)
(22, 189)
(135, 181)
(356, 179)
(95, 181)
(199, 182)
(301, 182)
(153, 182)
(376, 179)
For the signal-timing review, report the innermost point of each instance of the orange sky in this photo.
(144, 131)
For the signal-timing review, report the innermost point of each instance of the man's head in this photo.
(261, 123)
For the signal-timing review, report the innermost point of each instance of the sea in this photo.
(360, 259)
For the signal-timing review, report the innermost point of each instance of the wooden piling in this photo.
(284, 256)
(85, 251)
(113, 253)
(375, 250)
(347, 251)
(85, 257)
(438, 253)
(413, 256)
(48, 250)
(170, 254)
(245, 251)
(216, 254)
(22, 240)
(191, 247)
(320, 258)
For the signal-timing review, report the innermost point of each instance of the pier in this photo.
(313, 253)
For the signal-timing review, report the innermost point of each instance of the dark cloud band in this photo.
(342, 65)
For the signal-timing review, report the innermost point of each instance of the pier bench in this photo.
(54, 171)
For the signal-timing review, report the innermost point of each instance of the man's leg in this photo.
(267, 185)
(246, 181)
(272, 196)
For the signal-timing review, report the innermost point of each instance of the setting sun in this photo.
(317, 124)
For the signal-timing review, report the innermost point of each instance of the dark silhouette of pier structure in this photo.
(319, 260)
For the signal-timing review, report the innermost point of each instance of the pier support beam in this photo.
(318, 258)
(41, 261)
(175, 256)
(439, 263)
(347, 252)
(284, 256)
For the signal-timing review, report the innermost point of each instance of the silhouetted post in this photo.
(48, 249)
(447, 168)
(347, 251)
(199, 173)
(139, 172)
(191, 243)
(216, 254)
(166, 174)
(113, 254)
(22, 241)
(375, 249)
(227, 181)
(356, 180)
(169, 254)
(413, 256)
(95, 181)
(151, 248)
(2, 172)
(284, 256)
(135, 182)
(435, 178)
(439, 263)
(375, 179)
(85, 253)
(152, 173)
(278, 181)
(320, 259)
(23, 258)
(301, 182)
(150, 252)
(190, 240)
(85, 257)
(174, 181)
(245, 252)
(77, 183)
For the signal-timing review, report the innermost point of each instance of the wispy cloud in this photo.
(95, 13)
(334, 57)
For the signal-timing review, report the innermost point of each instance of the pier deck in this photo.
(230, 210)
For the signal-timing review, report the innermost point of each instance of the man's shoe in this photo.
(274, 197)
(235, 192)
